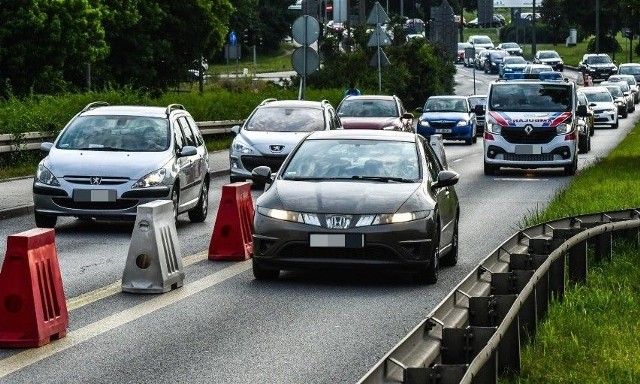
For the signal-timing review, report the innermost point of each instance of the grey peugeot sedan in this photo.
(109, 159)
(357, 198)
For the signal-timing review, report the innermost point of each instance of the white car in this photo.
(537, 68)
(604, 109)
(483, 41)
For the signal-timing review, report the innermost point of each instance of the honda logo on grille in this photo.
(528, 129)
(276, 148)
(338, 222)
(96, 180)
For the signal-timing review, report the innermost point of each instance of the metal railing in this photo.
(32, 140)
(474, 334)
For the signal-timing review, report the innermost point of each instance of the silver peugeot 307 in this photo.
(357, 198)
(273, 129)
(109, 159)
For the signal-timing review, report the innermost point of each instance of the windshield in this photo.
(514, 60)
(473, 101)
(549, 55)
(482, 40)
(286, 119)
(368, 108)
(354, 159)
(598, 60)
(615, 91)
(629, 70)
(537, 69)
(599, 97)
(510, 45)
(435, 104)
(534, 97)
(116, 133)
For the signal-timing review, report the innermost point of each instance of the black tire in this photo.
(615, 126)
(429, 275)
(592, 130)
(45, 221)
(625, 114)
(490, 170)
(570, 170)
(261, 273)
(198, 214)
(468, 142)
(475, 138)
(235, 179)
(589, 145)
(583, 144)
(451, 258)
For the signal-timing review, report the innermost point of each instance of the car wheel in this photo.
(451, 258)
(198, 214)
(625, 114)
(570, 170)
(475, 138)
(583, 144)
(615, 125)
(429, 275)
(45, 221)
(490, 170)
(261, 273)
(592, 130)
(175, 198)
(589, 144)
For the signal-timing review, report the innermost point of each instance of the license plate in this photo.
(528, 149)
(443, 130)
(336, 240)
(94, 195)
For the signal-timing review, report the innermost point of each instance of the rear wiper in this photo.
(385, 179)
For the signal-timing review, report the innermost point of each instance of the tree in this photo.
(553, 15)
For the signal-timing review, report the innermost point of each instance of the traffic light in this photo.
(247, 37)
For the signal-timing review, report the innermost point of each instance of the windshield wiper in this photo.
(112, 149)
(385, 179)
(303, 178)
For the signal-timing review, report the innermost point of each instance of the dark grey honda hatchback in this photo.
(357, 198)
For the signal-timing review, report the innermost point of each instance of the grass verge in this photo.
(591, 337)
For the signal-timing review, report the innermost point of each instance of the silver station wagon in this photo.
(109, 159)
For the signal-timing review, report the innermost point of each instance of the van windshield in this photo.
(535, 97)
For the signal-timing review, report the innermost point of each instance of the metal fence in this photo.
(32, 140)
(474, 334)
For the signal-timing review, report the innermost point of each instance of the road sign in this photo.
(311, 26)
(298, 60)
(384, 60)
(377, 15)
(379, 37)
(232, 52)
(233, 39)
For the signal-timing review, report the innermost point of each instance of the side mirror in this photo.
(478, 109)
(581, 111)
(419, 110)
(261, 174)
(446, 179)
(188, 150)
(407, 115)
(46, 146)
(235, 129)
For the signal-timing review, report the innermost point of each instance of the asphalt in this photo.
(16, 197)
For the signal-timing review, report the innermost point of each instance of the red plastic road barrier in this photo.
(232, 237)
(33, 310)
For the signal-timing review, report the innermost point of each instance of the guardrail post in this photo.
(461, 346)
(438, 373)
(532, 263)
(556, 278)
(603, 246)
(578, 263)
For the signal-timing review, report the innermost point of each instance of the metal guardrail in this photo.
(32, 140)
(474, 334)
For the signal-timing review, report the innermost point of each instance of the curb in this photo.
(24, 210)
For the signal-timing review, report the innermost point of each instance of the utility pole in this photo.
(597, 26)
(533, 30)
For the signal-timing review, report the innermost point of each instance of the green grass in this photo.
(580, 341)
(272, 62)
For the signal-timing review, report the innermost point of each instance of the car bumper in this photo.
(605, 118)
(559, 152)
(241, 166)
(287, 245)
(451, 133)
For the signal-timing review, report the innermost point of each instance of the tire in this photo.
(235, 179)
(615, 125)
(175, 198)
(570, 170)
(583, 144)
(469, 142)
(490, 170)
(451, 258)
(261, 273)
(429, 275)
(589, 146)
(475, 138)
(45, 221)
(486, 69)
(198, 214)
(625, 114)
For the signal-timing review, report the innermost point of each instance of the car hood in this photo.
(514, 67)
(273, 143)
(601, 66)
(449, 116)
(535, 119)
(551, 60)
(368, 122)
(133, 165)
(348, 197)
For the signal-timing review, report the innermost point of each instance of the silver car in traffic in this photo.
(109, 159)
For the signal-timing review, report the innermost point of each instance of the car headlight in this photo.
(296, 217)
(493, 128)
(462, 123)
(239, 146)
(613, 110)
(45, 176)
(424, 123)
(391, 218)
(563, 128)
(151, 179)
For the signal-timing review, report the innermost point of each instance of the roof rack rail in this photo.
(95, 104)
(171, 107)
(265, 101)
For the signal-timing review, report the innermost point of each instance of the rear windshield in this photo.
(535, 97)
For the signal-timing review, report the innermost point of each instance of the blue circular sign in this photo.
(233, 39)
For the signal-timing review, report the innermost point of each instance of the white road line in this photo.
(517, 179)
(34, 355)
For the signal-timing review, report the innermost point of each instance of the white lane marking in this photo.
(517, 179)
(116, 286)
(34, 355)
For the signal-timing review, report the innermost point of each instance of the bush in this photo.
(607, 44)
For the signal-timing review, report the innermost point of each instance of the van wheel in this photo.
(570, 170)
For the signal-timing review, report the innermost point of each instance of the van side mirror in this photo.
(478, 109)
(581, 111)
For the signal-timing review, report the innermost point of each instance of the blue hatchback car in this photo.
(449, 116)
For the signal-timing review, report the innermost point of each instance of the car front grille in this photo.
(442, 124)
(97, 206)
(542, 157)
(273, 162)
(97, 180)
(373, 253)
(517, 135)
